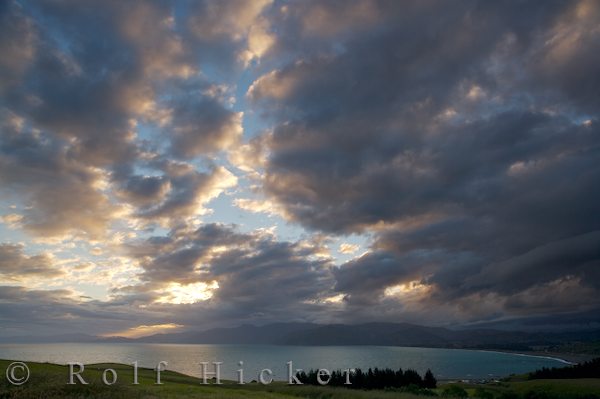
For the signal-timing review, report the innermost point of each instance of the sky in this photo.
(170, 166)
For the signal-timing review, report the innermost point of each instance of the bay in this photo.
(186, 358)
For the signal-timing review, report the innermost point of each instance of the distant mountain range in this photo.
(388, 334)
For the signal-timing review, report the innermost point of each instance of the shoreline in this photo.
(567, 358)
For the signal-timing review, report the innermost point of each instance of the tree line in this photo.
(590, 369)
(372, 379)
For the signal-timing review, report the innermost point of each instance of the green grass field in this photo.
(50, 381)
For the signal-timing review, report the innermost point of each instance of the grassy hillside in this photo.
(50, 381)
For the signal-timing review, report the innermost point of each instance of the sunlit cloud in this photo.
(410, 288)
(177, 293)
(346, 248)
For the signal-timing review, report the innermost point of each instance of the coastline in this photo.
(50, 381)
(567, 358)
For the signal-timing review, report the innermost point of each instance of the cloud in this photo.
(567, 55)
(50, 311)
(18, 40)
(151, 28)
(144, 190)
(238, 25)
(200, 123)
(85, 80)
(332, 19)
(14, 264)
(346, 248)
(446, 147)
(246, 276)
(61, 195)
(459, 140)
(189, 191)
(257, 206)
(232, 19)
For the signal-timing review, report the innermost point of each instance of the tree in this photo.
(429, 380)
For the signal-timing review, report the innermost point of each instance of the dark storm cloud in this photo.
(142, 190)
(270, 276)
(34, 312)
(17, 44)
(365, 278)
(200, 123)
(569, 57)
(258, 278)
(177, 256)
(573, 256)
(187, 256)
(365, 118)
(185, 190)
(464, 136)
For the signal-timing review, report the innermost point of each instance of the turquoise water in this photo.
(445, 363)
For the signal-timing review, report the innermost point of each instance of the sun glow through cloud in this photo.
(144, 330)
(177, 293)
(412, 287)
